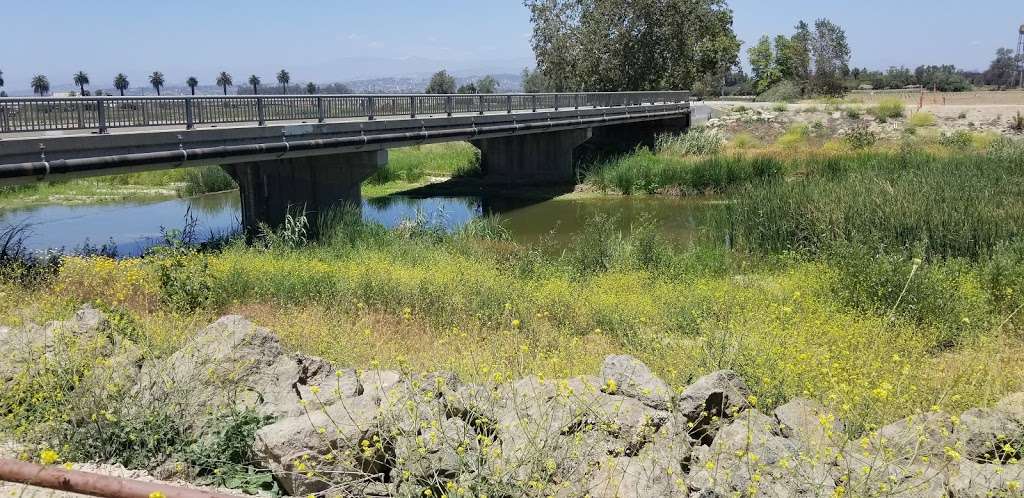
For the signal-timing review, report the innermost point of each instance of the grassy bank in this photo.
(407, 168)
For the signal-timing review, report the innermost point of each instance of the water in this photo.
(131, 227)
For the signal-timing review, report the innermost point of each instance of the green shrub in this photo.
(697, 142)
(889, 108)
(779, 107)
(785, 91)
(205, 180)
(796, 135)
(860, 138)
(854, 113)
(743, 141)
(922, 119)
(644, 171)
(960, 140)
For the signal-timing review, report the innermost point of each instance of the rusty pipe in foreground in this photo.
(87, 483)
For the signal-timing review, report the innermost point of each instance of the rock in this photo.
(1013, 405)
(633, 379)
(23, 347)
(310, 452)
(811, 425)
(989, 435)
(711, 398)
(639, 477)
(234, 364)
(439, 452)
(905, 458)
(979, 480)
(749, 456)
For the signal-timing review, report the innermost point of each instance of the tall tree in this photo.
(311, 88)
(831, 54)
(534, 81)
(284, 78)
(224, 81)
(441, 82)
(157, 80)
(192, 83)
(40, 85)
(605, 45)
(121, 83)
(763, 65)
(1002, 70)
(254, 82)
(1, 79)
(81, 79)
(799, 48)
(487, 84)
(467, 88)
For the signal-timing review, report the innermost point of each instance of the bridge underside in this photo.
(272, 188)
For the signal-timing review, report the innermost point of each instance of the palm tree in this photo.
(40, 85)
(284, 78)
(311, 88)
(81, 79)
(157, 80)
(1, 78)
(255, 82)
(224, 81)
(192, 83)
(121, 83)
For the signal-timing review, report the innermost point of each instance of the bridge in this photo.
(315, 151)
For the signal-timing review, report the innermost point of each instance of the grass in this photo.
(889, 108)
(408, 167)
(922, 119)
(412, 165)
(880, 282)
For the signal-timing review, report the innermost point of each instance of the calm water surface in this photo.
(131, 227)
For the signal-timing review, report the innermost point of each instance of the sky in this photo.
(336, 40)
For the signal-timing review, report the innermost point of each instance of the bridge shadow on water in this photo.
(491, 198)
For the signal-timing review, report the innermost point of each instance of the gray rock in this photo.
(811, 425)
(310, 452)
(710, 399)
(1013, 405)
(978, 480)
(633, 379)
(983, 433)
(749, 456)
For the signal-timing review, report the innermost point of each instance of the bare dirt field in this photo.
(915, 97)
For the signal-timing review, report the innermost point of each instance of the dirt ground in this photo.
(915, 97)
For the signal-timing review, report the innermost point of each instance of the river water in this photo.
(131, 227)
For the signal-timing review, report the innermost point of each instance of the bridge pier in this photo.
(623, 138)
(536, 158)
(314, 184)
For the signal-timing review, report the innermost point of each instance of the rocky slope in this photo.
(622, 432)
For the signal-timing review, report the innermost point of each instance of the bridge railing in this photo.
(103, 113)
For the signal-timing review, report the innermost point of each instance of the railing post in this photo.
(101, 116)
(321, 113)
(371, 108)
(412, 107)
(81, 119)
(480, 102)
(576, 101)
(5, 126)
(260, 112)
(190, 121)
(508, 103)
(556, 101)
(448, 105)
(534, 102)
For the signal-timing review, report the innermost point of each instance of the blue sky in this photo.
(327, 40)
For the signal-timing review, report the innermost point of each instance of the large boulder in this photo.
(989, 435)
(984, 480)
(630, 377)
(709, 400)
(749, 456)
(812, 426)
(29, 348)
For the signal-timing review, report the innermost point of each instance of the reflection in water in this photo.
(132, 227)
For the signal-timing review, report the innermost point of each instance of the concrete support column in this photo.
(313, 184)
(536, 158)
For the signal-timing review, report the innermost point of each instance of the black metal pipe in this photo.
(43, 169)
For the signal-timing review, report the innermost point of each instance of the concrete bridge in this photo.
(313, 152)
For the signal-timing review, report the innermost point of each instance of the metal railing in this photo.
(103, 113)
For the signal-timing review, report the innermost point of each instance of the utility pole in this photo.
(1020, 57)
